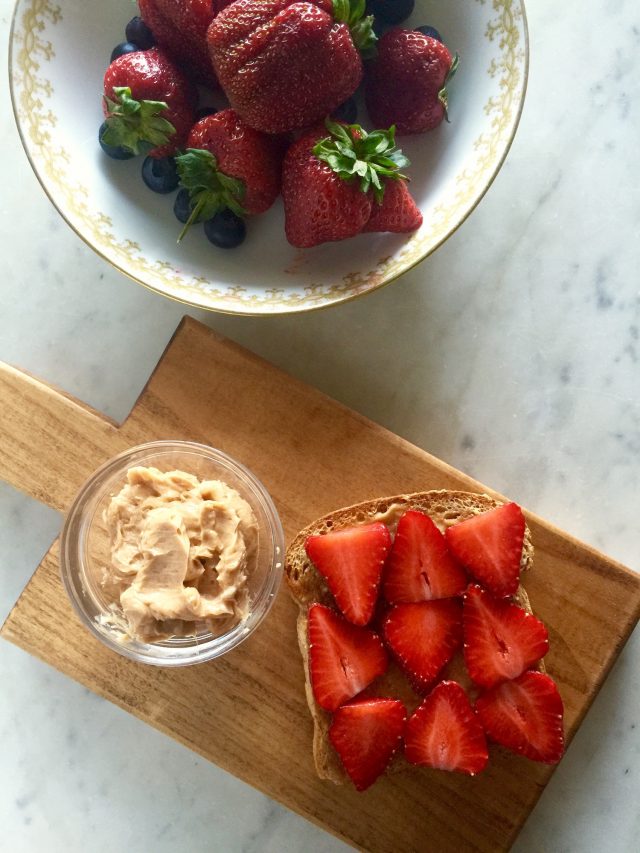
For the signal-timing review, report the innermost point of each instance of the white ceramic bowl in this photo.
(59, 52)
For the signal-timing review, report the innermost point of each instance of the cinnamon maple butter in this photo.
(181, 550)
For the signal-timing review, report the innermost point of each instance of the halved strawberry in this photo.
(490, 547)
(444, 732)
(343, 659)
(525, 715)
(366, 734)
(351, 560)
(501, 639)
(423, 637)
(420, 567)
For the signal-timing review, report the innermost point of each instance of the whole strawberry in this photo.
(285, 65)
(147, 102)
(340, 184)
(180, 28)
(229, 165)
(406, 84)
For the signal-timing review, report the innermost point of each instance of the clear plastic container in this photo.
(85, 552)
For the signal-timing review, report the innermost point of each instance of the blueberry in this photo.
(203, 112)
(139, 33)
(430, 31)
(115, 151)
(121, 49)
(182, 206)
(391, 11)
(348, 111)
(160, 174)
(225, 230)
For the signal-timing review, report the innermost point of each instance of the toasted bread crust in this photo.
(307, 587)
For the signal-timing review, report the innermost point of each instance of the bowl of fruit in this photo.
(267, 156)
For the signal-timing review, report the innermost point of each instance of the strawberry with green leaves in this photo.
(335, 185)
(229, 165)
(149, 104)
(285, 65)
(406, 84)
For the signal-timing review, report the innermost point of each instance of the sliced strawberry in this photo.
(351, 560)
(490, 547)
(444, 732)
(366, 734)
(525, 715)
(423, 637)
(420, 567)
(501, 640)
(343, 659)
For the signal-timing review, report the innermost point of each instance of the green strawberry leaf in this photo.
(210, 190)
(352, 154)
(352, 13)
(443, 95)
(135, 125)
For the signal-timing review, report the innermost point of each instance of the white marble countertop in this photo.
(513, 354)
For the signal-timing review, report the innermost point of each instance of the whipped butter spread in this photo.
(181, 549)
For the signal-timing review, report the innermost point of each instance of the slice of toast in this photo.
(307, 586)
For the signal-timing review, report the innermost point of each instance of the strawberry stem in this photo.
(353, 153)
(352, 13)
(135, 125)
(443, 95)
(210, 190)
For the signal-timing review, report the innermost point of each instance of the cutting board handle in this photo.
(49, 442)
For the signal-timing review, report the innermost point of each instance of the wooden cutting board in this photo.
(247, 711)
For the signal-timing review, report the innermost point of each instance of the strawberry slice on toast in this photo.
(423, 637)
(343, 658)
(366, 734)
(525, 715)
(351, 561)
(420, 567)
(444, 732)
(489, 546)
(501, 639)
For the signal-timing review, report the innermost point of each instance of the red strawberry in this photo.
(406, 83)
(420, 567)
(319, 206)
(445, 733)
(147, 99)
(490, 547)
(351, 560)
(501, 640)
(285, 64)
(398, 211)
(423, 637)
(525, 715)
(328, 193)
(180, 27)
(229, 165)
(343, 659)
(366, 734)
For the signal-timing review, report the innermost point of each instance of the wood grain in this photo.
(247, 712)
